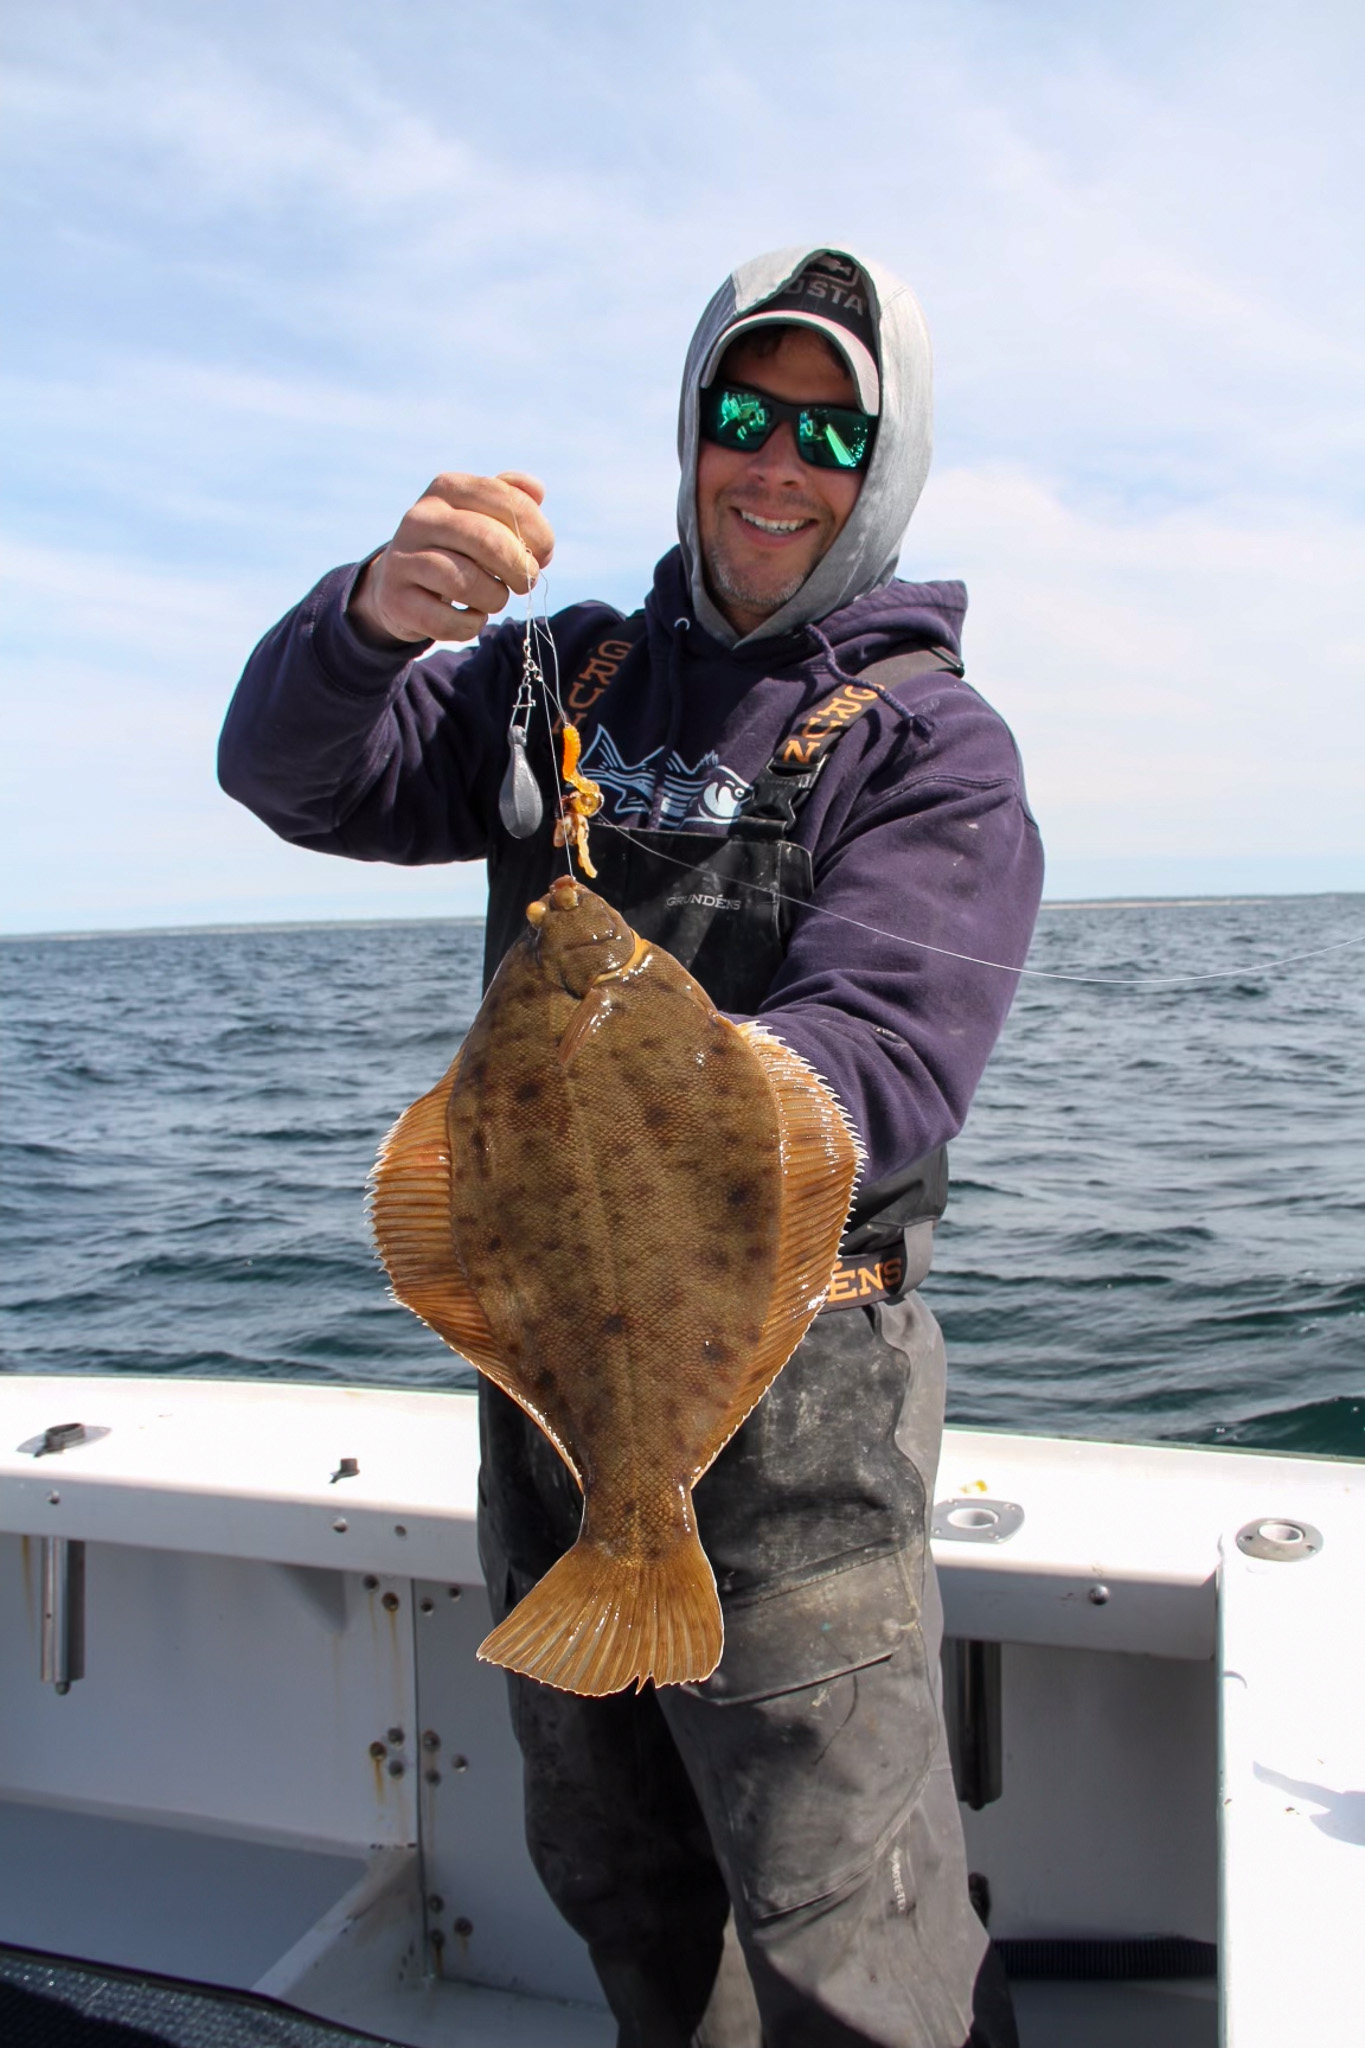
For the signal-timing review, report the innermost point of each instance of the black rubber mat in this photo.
(49, 2002)
(1149, 1958)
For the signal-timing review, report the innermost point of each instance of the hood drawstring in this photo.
(841, 675)
(675, 712)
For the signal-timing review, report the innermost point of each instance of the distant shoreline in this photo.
(360, 924)
(201, 931)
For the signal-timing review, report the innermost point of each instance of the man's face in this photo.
(764, 519)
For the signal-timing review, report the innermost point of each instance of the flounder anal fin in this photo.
(821, 1159)
(410, 1216)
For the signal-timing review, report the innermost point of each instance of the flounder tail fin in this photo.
(596, 1624)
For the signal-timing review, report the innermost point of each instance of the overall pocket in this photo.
(812, 1740)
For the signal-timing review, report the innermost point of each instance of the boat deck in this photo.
(47, 2003)
(280, 1769)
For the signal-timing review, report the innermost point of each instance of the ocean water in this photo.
(1157, 1228)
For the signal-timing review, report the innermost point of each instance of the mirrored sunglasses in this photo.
(827, 436)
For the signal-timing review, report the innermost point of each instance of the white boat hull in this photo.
(283, 1769)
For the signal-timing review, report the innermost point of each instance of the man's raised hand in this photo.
(467, 545)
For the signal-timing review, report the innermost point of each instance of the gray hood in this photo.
(864, 554)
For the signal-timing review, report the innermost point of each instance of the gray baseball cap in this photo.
(831, 295)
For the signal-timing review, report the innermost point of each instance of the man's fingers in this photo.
(453, 579)
(433, 526)
(399, 598)
(456, 623)
(421, 616)
(503, 502)
(468, 541)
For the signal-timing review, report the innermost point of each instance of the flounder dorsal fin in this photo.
(821, 1160)
(410, 1216)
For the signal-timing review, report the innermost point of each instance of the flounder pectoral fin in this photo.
(821, 1158)
(602, 998)
(410, 1211)
(591, 1014)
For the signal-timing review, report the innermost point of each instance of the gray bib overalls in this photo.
(802, 1796)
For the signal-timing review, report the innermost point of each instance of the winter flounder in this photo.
(624, 1210)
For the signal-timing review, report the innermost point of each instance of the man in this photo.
(801, 1797)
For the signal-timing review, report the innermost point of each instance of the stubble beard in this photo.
(730, 583)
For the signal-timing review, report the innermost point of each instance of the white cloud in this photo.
(1188, 684)
(281, 263)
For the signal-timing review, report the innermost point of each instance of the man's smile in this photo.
(781, 527)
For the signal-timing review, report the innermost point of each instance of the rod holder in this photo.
(63, 1612)
(973, 1709)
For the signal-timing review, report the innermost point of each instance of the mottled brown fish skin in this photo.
(625, 1256)
(616, 1213)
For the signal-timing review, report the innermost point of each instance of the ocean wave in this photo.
(1154, 1228)
(1325, 1429)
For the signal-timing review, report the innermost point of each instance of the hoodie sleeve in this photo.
(346, 749)
(935, 856)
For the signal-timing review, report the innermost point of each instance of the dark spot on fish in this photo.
(740, 1194)
(613, 1325)
(717, 1258)
(716, 1350)
(658, 1118)
(529, 1091)
(494, 1243)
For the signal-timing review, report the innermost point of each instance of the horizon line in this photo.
(313, 924)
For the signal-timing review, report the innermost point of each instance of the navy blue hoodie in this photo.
(918, 829)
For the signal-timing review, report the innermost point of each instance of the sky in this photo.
(269, 267)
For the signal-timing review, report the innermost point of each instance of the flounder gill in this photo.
(624, 1210)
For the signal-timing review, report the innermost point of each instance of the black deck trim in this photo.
(1153, 1957)
(52, 2001)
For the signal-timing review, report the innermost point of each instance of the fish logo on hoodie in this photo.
(707, 793)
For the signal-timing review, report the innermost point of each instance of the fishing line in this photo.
(972, 959)
(549, 694)
(537, 630)
(536, 634)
